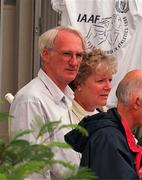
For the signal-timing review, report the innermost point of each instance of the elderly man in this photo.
(48, 95)
(110, 150)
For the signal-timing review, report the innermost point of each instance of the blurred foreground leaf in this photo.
(5, 116)
(20, 158)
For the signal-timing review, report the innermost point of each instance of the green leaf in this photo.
(82, 173)
(82, 130)
(5, 116)
(20, 158)
(48, 127)
(28, 169)
(137, 135)
(3, 177)
(58, 144)
(2, 142)
(140, 141)
(66, 164)
(6, 169)
(40, 126)
(21, 133)
(37, 124)
(41, 152)
(136, 132)
(16, 152)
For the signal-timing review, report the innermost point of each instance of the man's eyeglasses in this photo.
(69, 54)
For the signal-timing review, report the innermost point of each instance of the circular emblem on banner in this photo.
(122, 6)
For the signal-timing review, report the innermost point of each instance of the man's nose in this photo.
(74, 60)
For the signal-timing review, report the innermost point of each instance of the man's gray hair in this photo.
(47, 39)
(128, 88)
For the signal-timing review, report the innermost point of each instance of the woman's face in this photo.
(95, 90)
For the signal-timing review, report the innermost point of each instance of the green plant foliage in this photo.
(138, 135)
(75, 126)
(83, 174)
(20, 158)
(4, 116)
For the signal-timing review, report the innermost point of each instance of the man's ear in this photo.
(137, 102)
(44, 54)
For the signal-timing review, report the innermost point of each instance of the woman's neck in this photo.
(86, 106)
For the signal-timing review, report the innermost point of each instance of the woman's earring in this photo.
(79, 89)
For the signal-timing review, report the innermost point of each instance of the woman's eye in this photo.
(101, 80)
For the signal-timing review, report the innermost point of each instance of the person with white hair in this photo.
(48, 95)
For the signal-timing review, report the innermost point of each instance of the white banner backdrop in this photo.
(113, 25)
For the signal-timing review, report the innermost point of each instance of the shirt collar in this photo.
(82, 111)
(55, 91)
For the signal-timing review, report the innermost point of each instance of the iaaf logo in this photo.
(110, 33)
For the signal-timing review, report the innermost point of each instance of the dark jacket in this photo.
(105, 150)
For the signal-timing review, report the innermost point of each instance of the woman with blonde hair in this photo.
(92, 83)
